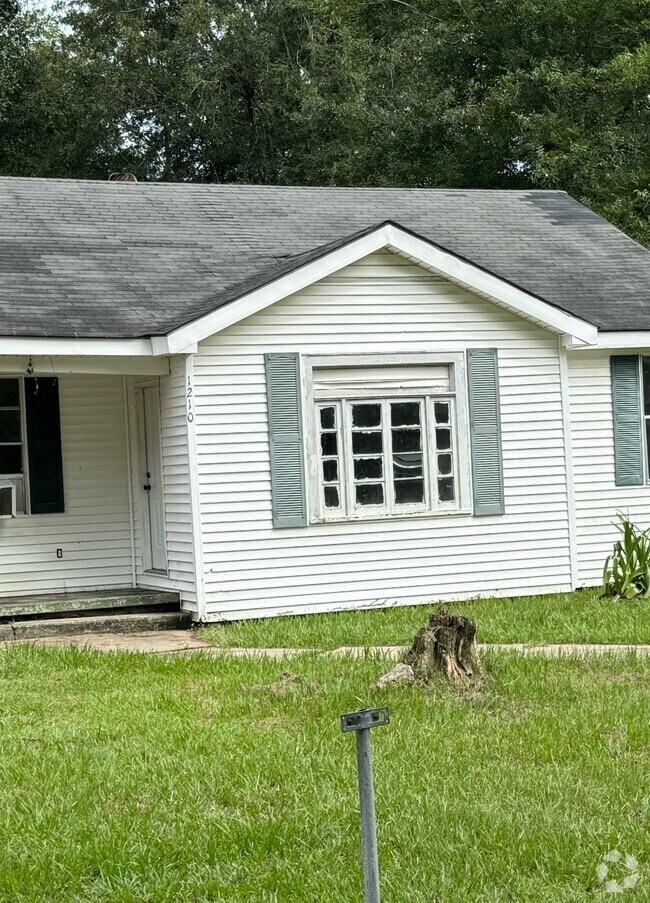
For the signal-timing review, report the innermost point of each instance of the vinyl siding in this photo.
(178, 523)
(383, 304)
(94, 532)
(597, 497)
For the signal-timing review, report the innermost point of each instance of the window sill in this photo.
(23, 515)
(407, 515)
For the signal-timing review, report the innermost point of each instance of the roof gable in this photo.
(297, 274)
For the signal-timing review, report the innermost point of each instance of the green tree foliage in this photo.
(456, 93)
(13, 46)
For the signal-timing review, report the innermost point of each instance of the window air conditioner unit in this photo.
(7, 499)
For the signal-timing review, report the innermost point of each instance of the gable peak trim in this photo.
(391, 236)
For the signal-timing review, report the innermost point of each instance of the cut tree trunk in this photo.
(446, 645)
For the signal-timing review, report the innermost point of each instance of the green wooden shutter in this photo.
(44, 445)
(628, 421)
(485, 430)
(285, 435)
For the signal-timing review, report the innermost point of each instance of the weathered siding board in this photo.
(94, 531)
(597, 496)
(178, 522)
(384, 304)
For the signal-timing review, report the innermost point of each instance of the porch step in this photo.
(62, 603)
(136, 622)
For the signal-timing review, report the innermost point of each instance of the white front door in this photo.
(153, 502)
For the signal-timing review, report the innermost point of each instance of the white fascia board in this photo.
(483, 283)
(274, 291)
(637, 340)
(394, 238)
(57, 364)
(73, 347)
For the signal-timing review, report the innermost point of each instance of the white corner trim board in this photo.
(567, 439)
(195, 492)
(392, 237)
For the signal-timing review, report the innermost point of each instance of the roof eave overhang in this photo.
(184, 340)
(77, 346)
(632, 340)
(69, 346)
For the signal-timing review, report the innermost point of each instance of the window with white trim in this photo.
(386, 453)
(31, 464)
(12, 438)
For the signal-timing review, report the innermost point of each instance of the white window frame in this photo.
(341, 399)
(25, 509)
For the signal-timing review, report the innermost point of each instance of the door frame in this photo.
(148, 570)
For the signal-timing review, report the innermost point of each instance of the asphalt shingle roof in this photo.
(116, 259)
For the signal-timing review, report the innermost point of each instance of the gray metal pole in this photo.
(361, 722)
(368, 823)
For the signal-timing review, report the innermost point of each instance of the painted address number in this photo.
(189, 394)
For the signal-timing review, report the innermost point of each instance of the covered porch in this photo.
(95, 500)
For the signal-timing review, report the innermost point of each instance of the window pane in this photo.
(366, 415)
(10, 426)
(328, 418)
(331, 471)
(367, 443)
(11, 459)
(406, 441)
(9, 394)
(444, 464)
(443, 438)
(328, 443)
(441, 411)
(331, 496)
(370, 493)
(405, 413)
(646, 385)
(368, 468)
(409, 492)
(5, 504)
(446, 489)
(407, 465)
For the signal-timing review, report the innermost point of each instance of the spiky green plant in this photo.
(626, 574)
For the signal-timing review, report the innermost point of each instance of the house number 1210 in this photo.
(190, 404)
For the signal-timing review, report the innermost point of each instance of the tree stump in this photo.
(446, 645)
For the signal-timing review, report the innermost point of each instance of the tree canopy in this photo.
(456, 93)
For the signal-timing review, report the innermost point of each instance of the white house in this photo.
(286, 400)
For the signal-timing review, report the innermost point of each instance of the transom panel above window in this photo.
(389, 440)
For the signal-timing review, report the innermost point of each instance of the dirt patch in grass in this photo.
(285, 684)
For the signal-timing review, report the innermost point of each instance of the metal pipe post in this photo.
(368, 823)
(361, 723)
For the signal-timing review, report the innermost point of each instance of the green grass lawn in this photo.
(580, 617)
(142, 778)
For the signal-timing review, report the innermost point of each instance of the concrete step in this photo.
(137, 622)
(57, 603)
